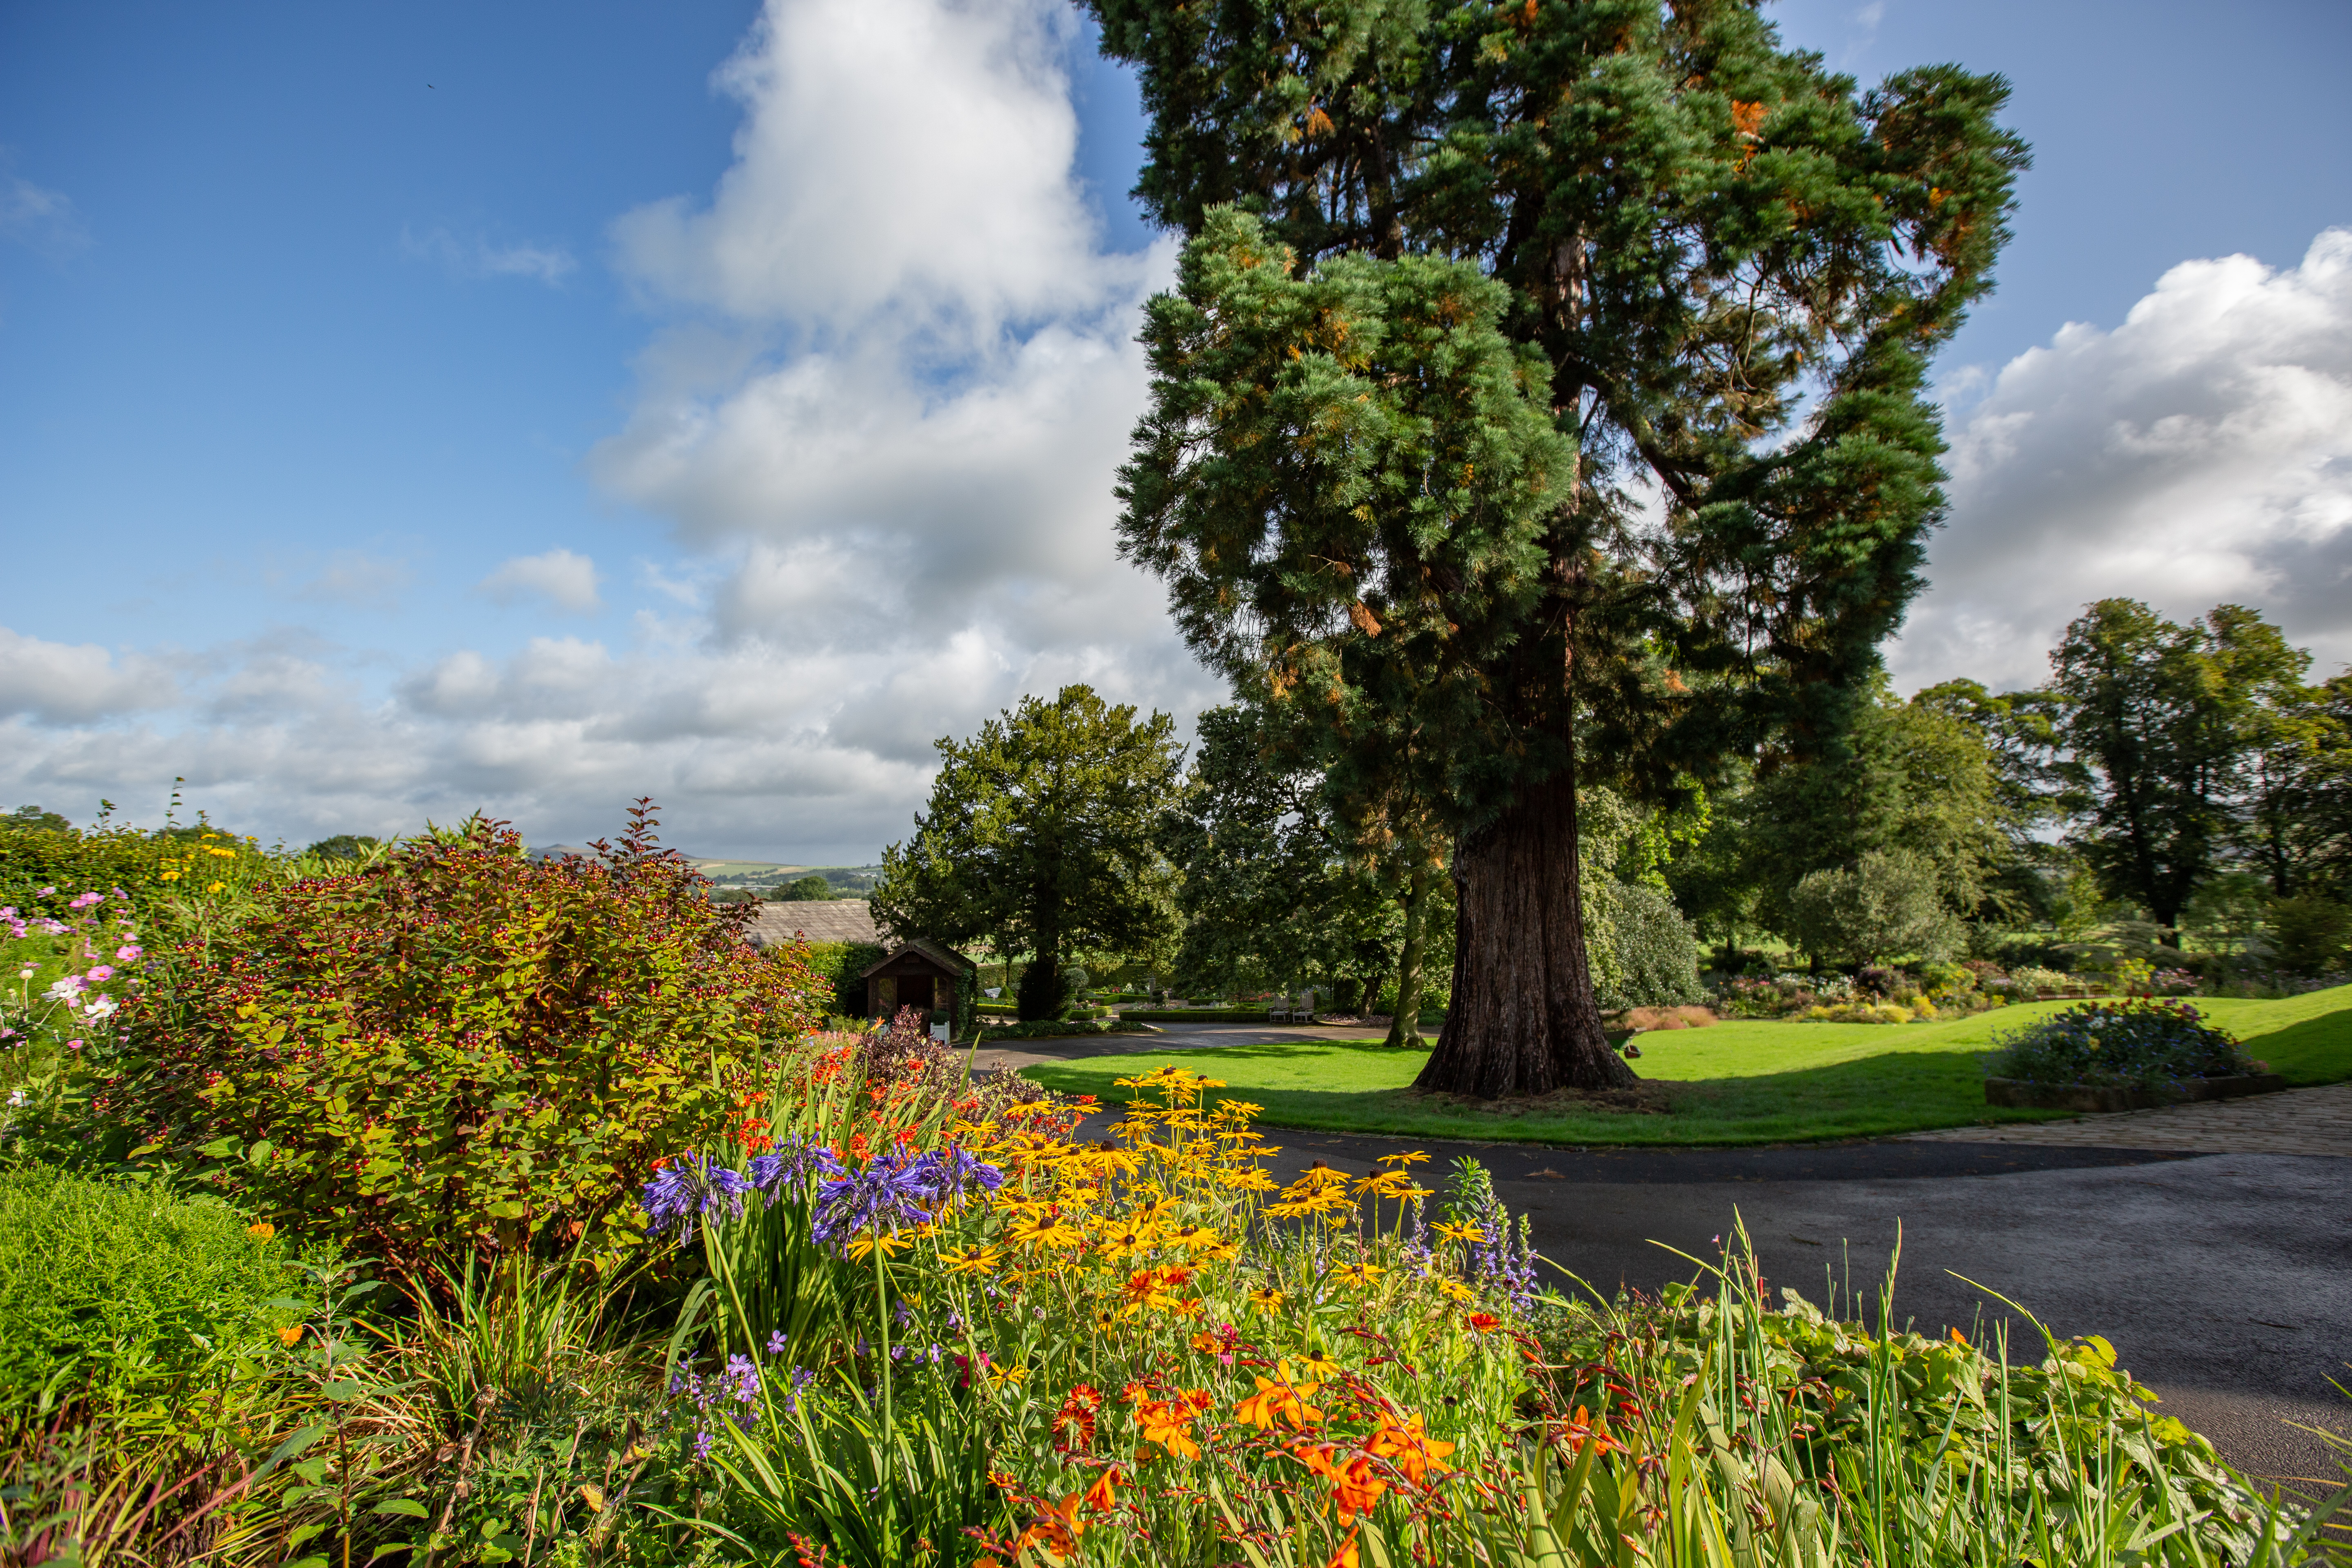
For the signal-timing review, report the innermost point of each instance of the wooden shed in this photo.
(919, 974)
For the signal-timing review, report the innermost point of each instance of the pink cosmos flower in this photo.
(128, 951)
(101, 973)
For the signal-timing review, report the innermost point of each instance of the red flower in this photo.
(1485, 1322)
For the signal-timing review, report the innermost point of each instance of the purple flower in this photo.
(691, 1186)
(740, 1379)
(896, 1189)
(776, 1343)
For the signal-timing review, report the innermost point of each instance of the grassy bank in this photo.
(1747, 1082)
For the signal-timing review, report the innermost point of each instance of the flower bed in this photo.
(2142, 1043)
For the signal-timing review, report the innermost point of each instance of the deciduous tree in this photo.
(1042, 836)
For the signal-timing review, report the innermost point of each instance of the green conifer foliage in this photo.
(1465, 283)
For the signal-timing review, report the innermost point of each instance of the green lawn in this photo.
(1735, 1083)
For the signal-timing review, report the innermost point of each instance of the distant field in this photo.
(1744, 1082)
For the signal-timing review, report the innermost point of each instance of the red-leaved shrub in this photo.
(460, 1047)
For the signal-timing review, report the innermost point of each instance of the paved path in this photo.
(2294, 1121)
(2209, 1243)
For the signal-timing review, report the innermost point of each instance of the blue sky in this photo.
(520, 406)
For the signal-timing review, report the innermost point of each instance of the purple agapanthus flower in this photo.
(692, 1185)
(898, 1188)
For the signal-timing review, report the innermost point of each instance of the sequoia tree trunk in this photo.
(1405, 1024)
(1523, 1019)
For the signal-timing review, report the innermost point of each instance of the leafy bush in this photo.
(459, 1046)
(2309, 935)
(115, 1294)
(838, 965)
(1884, 904)
(2031, 979)
(1657, 950)
(2140, 1042)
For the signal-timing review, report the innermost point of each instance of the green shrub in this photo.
(2309, 935)
(839, 965)
(119, 1293)
(1883, 905)
(1657, 950)
(459, 1046)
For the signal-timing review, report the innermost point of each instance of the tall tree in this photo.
(2154, 722)
(2296, 827)
(1269, 891)
(1462, 278)
(1042, 836)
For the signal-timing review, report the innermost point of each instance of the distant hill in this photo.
(846, 882)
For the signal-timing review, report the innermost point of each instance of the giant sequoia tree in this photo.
(1465, 282)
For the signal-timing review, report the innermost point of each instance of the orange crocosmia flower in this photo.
(1207, 1344)
(1278, 1398)
(1344, 1557)
(1168, 1422)
(1175, 1275)
(1104, 1494)
(1413, 1451)
(1057, 1529)
(1485, 1322)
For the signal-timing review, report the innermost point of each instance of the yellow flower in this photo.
(261, 1232)
(1357, 1273)
(1413, 1158)
(288, 1334)
(1266, 1299)
(864, 1246)
(971, 1260)
(1049, 1232)
(1455, 1289)
(1004, 1377)
(216, 887)
(1458, 1232)
(1318, 1366)
(1195, 1237)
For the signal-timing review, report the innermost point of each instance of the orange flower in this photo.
(1355, 1485)
(1279, 1399)
(1103, 1494)
(1485, 1322)
(1168, 1422)
(286, 1336)
(1345, 1557)
(1411, 1451)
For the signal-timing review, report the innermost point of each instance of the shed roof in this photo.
(819, 920)
(947, 958)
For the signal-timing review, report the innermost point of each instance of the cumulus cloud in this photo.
(71, 683)
(891, 376)
(564, 579)
(2200, 453)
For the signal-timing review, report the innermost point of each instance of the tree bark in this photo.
(1404, 1027)
(1523, 1019)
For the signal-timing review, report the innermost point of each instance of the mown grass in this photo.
(1745, 1082)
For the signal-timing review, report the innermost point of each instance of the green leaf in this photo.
(311, 1471)
(293, 1446)
(300, 1533)
(390, 1546)
(219, 1148)
(343, 1389)
(408, 1506)
(309, 1562)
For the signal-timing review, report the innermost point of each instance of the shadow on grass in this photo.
(1874, 1096)
(2314, 1051)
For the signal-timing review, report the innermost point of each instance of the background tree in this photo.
(1267, 892)
(2295, 824)
(2153, 723)
(1042, 836)
(809, 889)
(1462, 275)
(344, 847)
(33, 816)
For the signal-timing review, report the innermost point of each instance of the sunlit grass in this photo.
(1740, 1083)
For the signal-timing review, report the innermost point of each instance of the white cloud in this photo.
(479, 257)
(565, 579)
(892, 378)
(2198, 454)
(42, 220)
(72, 683)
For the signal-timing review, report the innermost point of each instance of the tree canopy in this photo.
(1042, 836)
(1466, 284)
